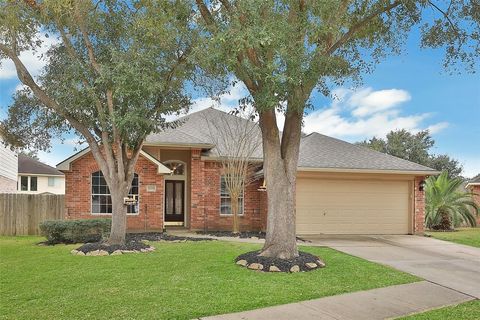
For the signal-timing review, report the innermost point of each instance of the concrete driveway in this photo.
(445, 263)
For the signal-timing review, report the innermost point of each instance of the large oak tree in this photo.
(283, 50)
(118, 68)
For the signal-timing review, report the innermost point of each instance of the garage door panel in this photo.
(352, 206)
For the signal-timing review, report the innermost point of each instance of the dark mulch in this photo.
(242, 235)
(129, 245)
(160, 236)
(283, 265)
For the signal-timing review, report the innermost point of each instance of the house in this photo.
(473, 186)
(8, 169)
(341, 188)
(35, 177)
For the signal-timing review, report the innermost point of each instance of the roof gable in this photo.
(65, 164)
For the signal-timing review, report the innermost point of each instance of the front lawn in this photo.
(178, 280)
(468, 236)
(465, 311)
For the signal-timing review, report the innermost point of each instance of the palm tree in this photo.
(446, 206)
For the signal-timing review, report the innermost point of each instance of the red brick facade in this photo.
(78, 193)
(202, 189)
(204, 196)
(419, 206)
(476, 197)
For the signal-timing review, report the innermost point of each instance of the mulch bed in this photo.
(304, 262)
(128, 246)
(133, 244)
(160, 236)
(242, 235)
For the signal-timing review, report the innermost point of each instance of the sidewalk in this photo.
(383, 303)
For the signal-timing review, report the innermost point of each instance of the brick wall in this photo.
(206, 216)
(78, 194)
(476, 190)
(419, 207)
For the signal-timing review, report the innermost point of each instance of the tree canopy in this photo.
(415, 147)
(117, 69)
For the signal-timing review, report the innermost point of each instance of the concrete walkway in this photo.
(383, 303)
(451, 265)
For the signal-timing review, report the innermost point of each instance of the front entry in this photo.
(175, 201)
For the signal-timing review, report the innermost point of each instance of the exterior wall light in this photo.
(421, 185)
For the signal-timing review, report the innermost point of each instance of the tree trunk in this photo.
(280, 241)
(234, 205)
(445, 221)
(280, 169)
(119, 214)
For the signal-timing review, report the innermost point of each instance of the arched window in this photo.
(178, 167)
(101, 199)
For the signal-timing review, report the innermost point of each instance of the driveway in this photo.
(450, 265)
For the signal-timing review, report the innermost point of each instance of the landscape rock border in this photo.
(304, 262)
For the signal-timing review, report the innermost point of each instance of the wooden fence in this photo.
(20, 214)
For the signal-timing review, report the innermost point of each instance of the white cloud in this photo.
(366, 101)
(356, 115)
(33, 59)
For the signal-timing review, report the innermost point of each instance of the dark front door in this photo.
(174, 201)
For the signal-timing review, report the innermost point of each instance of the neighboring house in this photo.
(8, 169)
(473, 186)
(37, 177)
(341, 188)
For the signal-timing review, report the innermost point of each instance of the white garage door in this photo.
(352, 206)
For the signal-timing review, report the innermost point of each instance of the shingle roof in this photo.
(320, 151)
(316, 150)
(475, 179)
(32, 166)
(200, 128)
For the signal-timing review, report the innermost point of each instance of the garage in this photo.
(353, 206)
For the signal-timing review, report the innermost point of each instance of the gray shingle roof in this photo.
(200, 128)
(320, 151)
(27, 165)
(475, 179)
(316, 150)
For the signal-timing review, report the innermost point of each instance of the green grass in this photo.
(468, 236)
(177, 281)
(465, 311)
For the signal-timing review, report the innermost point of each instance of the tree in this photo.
(416, 148)
(283, 50)
(237, 141)
(118, 68)
(446, 207)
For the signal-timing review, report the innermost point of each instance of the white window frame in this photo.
(226, 195)
(108, 194)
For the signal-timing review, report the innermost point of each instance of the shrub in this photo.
(75, 231)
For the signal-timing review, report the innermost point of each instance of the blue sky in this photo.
(410, 91)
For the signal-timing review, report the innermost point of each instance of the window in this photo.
(177, 167)
(24, 183)
(225, 201)
(101, 200)
(33, 183)
(51, 181)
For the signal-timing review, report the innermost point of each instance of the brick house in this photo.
(473, 186)
(341, 188)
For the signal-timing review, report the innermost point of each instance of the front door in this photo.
(174, 201)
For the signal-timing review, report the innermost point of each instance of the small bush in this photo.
(75, 231)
